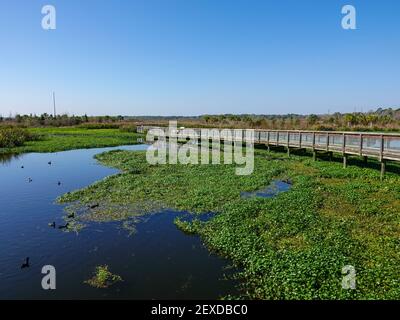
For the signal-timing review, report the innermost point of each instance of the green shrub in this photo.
(13, 137)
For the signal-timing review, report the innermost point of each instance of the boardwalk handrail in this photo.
(374, 133)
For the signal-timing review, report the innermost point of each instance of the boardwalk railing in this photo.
(382, 146)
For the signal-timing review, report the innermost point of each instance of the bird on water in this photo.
(25, 264)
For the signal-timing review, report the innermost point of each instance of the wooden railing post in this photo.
(344, 151)
(344, 144)
(383, 163)
(300, 139)
(313, 142)
(313, 147)
(361, 143)
(327, 141)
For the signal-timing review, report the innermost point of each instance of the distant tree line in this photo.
(45, 119)
(380, 119)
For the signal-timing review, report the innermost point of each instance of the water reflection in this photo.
(276, 187)
(8, 157)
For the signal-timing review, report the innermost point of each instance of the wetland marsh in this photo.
(198, 231)
(289, 246)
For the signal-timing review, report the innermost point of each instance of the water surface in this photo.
(276, 187)
(156, 262)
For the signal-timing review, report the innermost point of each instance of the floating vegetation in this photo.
(130, 226)
(289, 246)
(103, 278)
(105, 211)
(186, 226)
(73, 226)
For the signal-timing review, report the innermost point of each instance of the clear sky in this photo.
(190, 57)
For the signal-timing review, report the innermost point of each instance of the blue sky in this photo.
(190, 57)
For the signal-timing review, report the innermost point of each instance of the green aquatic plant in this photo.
(105, 211)
(103, 278)
(72, 225)
(291, 246)
(188, 227)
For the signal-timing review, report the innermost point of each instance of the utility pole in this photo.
(54, 104)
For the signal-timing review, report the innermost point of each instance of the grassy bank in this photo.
(292, 246)
(61, 139)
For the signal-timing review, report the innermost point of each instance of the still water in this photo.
(156, 262)
(276, 187)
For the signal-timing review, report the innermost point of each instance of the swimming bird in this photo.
(52, 224)
(22, 167)
(30, 180)
(288, 181)
(25, 264)
(49, 163)
(59, 183)
(71, 215)
(64, 227)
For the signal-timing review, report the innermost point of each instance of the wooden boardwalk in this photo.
(381, 146)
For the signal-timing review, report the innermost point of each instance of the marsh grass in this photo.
(61, 139)
(291, 246)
